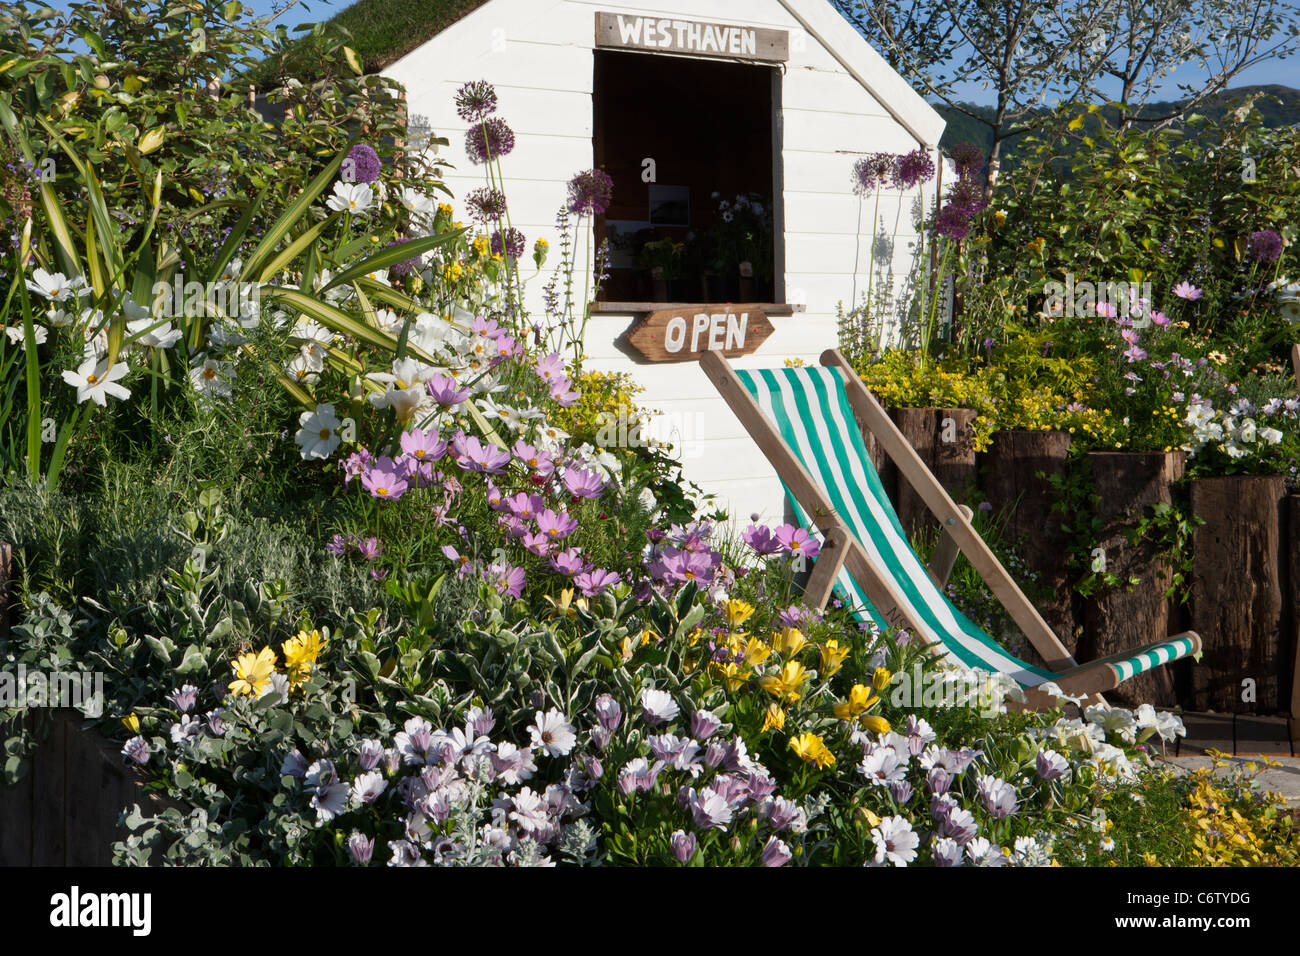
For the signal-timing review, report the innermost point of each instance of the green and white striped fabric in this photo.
(811, 411)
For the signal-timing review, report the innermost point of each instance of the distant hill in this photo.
(1280, 106)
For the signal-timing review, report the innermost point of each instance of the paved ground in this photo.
(1284, 780)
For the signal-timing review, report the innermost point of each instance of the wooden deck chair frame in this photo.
(840, 547)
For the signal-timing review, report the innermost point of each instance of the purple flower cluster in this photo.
(1265, 246)
(966, 198)
(475, 101)
(682, 555)
(509, 243)
(361, 165)
(491, 139)
(486, 204)
(590, 192)
(787, 539)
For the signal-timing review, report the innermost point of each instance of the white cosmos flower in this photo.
(355, 198)
(307, 364)
(55, 286)
(18, 337)
(318, 435)
(153, 334)
(94, 380)
(404, 401)
(416, 202)
(1270, 435)
(212, 378)
(60, 318)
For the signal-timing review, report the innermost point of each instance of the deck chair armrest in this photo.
(1106, 673)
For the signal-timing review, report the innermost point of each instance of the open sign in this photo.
(683, 334)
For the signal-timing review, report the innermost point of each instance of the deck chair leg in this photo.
(827, 568)
(945, 553)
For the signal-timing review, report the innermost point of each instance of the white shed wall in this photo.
(538, 54)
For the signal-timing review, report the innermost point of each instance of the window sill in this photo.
(631, 308)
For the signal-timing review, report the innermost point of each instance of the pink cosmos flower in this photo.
(424, 445)
(595, 581)
(549, 367)
(556, 525)
(370, 548)
(582, 483)
(536, 459)
(355, 464)
(568, 562)
(525, 506)
(1106, 310)
(1135, 354)
(563, 393)
(487, 328)
(796, 540)
(1185, 290)
(446, 391)
(494, 497)
(473, 455)
(760, 538)
(1130, 336)
(538, 543)
(507, 579)
(464, 565)
(1159, 318)
(384, 479)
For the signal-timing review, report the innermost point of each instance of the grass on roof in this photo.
(383, 31)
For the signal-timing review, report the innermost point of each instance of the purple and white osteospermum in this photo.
(704, 724)
(882, 767)
(185, 698)
(553, 733)
(529, 811)
(369, 754)
(946, 852)
(709, 809)
(1050, 765)
(775, 853)
(682, 845)
(294, 765)
(960, 825)
(512, 765)
(137, 750)
(998, 796)
(186, 728)
(361, 848)
(895, 841)
(608, 712)
(479, 721)
(413, 740)
(983, 853)
(658, 706)
(329, 800)
(368, 786)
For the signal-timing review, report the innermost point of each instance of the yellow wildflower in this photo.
(788, 683)
(881, 678)
(738, 612)
(756, 652)
(788, 641)
(832, 656)
(860, 701)
(773, 718)
(810, 749)
(132, 723)
(731, 674)
(300, 654)
(877, 725)
(253, 672)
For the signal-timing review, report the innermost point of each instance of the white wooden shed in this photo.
(775, 98)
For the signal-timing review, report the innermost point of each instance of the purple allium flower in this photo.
(491, 139)
(874, 171)
(967, 196)
(952, 223)
(683, 845)
(361, 848)
(361, 165)
(658, 707)
(137, 749)
(476, 100)
(486, 204)
(406, 266)
(590, 192)
(512, 247)
(915, 168)
(185, 698)
(1265, 246)
(775, 853)
(967, 158)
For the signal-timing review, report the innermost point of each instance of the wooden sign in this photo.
(684, 333)
(623, 31)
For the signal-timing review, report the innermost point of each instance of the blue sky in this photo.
(1285, 72)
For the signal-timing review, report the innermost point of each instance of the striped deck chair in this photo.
(808, 422)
